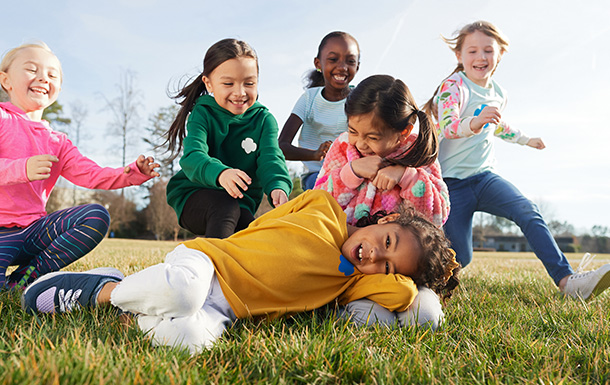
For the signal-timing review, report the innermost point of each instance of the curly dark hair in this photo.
(437, 268)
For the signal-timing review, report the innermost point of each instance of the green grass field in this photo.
(506, 324)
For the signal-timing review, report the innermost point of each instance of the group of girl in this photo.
(360, 148)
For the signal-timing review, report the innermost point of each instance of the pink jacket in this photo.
(423, 187)
(22, 201)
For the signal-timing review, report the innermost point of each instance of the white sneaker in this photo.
(587, 284)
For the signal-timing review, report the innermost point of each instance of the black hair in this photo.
(314, 78)
(395, 109)
(217, 54)
(437, 268)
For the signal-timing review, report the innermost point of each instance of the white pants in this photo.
(179, 302)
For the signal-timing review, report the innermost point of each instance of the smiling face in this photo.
(384, 248)
(480, 54)
(364, 133)
(339, 61)
(33, 80)
(234, 84)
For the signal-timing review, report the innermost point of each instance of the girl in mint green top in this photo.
(229, 142)
(468, 106)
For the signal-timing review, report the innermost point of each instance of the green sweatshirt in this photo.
(217, 140)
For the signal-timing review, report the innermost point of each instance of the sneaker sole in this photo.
(106, 271)
(603, 283)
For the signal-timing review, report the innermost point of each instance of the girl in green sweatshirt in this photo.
(230, 149)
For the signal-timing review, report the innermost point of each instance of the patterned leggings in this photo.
(51, 242)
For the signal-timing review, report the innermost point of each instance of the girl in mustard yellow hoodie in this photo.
(297, 257)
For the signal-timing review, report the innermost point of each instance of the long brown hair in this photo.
(456, 44)
(394, 108)
(217, 54)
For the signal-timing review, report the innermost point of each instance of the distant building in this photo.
(517, 243)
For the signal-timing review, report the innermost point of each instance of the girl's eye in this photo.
(387, 268)
(387, 242)
(227, 84)
(332, 59)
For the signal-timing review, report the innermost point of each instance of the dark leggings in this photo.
(214, 214)
(51, 242)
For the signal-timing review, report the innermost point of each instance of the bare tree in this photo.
(160, 217)
(159, 123)
(124, 109)
(122, 210)
(79, 114)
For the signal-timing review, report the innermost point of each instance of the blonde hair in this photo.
(456, 44)
(10, 56)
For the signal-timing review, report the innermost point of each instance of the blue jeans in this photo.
(490, 193)
(309, 180)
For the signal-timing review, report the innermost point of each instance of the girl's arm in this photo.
(84, 172)
(448, 102)
(425, 189)
(289, 131)
(337, 176)
(196, 163)
(395, 292)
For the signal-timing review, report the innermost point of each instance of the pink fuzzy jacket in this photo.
(423, 187)
(22, 201)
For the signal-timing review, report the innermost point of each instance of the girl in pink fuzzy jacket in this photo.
(379, 163)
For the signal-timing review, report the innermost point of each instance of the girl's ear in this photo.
(407, 131)
(388, 218)
(4, 80)
(208, 84)
(458, 56)
(316, 63)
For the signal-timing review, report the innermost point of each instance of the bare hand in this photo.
(536, 143)
(488, 115)
(278, 197)
(232, 179)
(367, 167)
(322, 150)
(38, 167)
(146, 166)
(388, 177)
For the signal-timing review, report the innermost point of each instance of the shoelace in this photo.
(584, 262)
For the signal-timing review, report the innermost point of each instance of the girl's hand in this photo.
(322, 150)
(38, 167)
(232, 179)
(278, 197)
(388, 177)
(488, 115)
(536, 143)
(146, 166)
(367, 166)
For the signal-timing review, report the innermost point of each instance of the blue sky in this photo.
(556, 71)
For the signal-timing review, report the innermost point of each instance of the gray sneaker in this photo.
(63, 291)
(587, 284)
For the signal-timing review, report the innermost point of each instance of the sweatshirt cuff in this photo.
(523, 140)
(409, 174)
(464, 129)
(349, 178)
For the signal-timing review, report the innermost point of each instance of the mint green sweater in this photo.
(217, 140)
